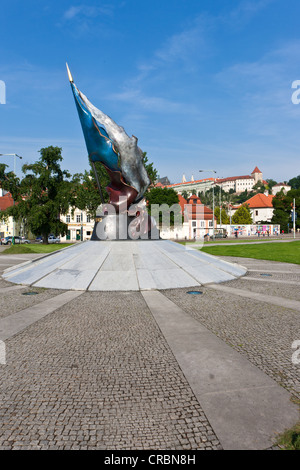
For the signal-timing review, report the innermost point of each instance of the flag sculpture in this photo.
(119, 154)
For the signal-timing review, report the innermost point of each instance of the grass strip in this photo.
(34, 248)
(283, 252)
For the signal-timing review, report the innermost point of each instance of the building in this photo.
(9, 226)
(198, 221)
(189, 187)
(261, 208)
(200, 218)
(80, 226)
(238, 184)
(281, 186)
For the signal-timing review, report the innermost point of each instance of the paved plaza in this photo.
(159, 370)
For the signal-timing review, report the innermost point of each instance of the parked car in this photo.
(18, 240)
(219, 235)
(51, 239)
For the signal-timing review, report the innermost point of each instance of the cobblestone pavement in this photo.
(262, 332)
(98, 374)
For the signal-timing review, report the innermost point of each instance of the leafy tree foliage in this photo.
(161, 196)
(242, 215)
(224, 216)
(283, 206)
(295, 182)
(42, 195)
(270, 185)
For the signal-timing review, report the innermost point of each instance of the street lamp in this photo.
(212, 171)
(15, 164)
(11, 155)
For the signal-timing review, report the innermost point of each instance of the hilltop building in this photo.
(237, 184)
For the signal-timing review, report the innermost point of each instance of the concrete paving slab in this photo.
(115, 281)
(3, 290)
(280, 301)
(245, 407)
(13, 324)
(278, 281)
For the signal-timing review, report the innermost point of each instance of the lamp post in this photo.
(212, 171)
(15, 165)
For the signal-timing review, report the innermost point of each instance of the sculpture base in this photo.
(123, 227)
(124, 266)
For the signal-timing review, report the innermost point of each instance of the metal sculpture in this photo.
(120, 155)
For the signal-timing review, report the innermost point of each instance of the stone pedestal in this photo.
(124, 227)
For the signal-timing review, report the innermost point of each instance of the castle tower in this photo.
(257, 175)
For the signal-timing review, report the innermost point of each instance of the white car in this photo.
(51, 239)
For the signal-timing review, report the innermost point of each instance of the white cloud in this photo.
(87, 11)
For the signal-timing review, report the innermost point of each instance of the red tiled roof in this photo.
(6, 201)
(194, 199)
(260, 200)
(256, 170)
(181, 202)
(234, 178)
(190, 182)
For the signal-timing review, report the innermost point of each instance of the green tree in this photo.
(259, 187)
(159, 196)
(270, 184)
(283, 205)
(224, 216)
(242, 215)
(42, 195)
(152, 172)
(295, 182)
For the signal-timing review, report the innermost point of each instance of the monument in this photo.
(125, 252)
(125, 216)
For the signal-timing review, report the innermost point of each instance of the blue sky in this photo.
(203, 84)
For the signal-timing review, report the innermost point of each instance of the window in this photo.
(202, 224)
(194, 224)
(210, 224)
(78, 219)
(68, 219)
(88, 218)
(256, 212)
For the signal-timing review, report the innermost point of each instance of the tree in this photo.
(259, 187)
(224, 216)
(159, 196)
(42, 195)
(283, 205)
(295, 182)
(86, 195)
(152, 172)
(242, 215)
(270, 185)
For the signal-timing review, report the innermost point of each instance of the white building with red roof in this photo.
(261, 207)
(279, 186)
(237, 183)
(240, 183)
